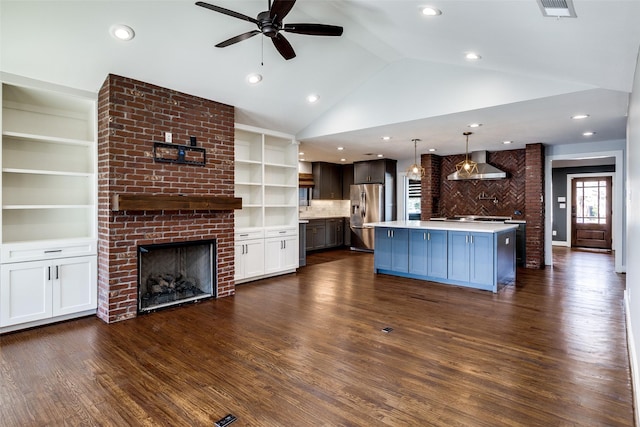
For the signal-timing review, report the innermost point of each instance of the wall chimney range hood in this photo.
(485, 170)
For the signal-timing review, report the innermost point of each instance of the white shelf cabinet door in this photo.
(26, 292)
(290, 254)
(249, 259)
(75, 285)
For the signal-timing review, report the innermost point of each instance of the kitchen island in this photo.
(479, 255)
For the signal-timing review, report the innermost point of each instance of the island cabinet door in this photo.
(437, 258)
(400, 250)
(458, 256)
(391, 249)
(481, 258)
(382, 251)
(418, 252)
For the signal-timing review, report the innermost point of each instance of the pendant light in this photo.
(467, 167)
(415, 171)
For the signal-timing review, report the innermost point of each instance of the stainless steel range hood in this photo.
(485, 170)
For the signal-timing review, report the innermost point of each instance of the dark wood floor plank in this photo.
(308, 349)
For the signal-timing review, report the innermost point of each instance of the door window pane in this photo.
(591, 202)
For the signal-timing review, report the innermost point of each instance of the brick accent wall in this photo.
(521, 191)
(131, 116)
(430, 186)
(534, 202)
(463, 197)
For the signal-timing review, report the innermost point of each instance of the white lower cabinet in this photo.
(39, 290)
(262, 253)
(249, 259)
(281, 254)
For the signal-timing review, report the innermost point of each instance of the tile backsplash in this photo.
(325, 209)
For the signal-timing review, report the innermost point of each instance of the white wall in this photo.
(632, 299)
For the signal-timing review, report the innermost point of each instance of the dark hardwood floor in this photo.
(307, 349)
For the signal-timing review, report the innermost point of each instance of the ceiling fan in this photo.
(270, 24)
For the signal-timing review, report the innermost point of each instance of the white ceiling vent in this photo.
(557, 8)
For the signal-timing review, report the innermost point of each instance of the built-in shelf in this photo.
(140, 202)
(46, 139)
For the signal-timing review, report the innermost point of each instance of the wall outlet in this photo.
(168, 137)
(554, 232)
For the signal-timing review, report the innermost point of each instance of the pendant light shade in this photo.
(467, 167)
(415, 171)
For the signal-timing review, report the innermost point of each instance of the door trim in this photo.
(614, 205)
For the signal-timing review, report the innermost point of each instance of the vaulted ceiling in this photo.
(394, 72)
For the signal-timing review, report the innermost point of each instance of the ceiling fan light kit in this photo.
(270, 25)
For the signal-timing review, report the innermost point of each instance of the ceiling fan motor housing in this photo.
(267, 26)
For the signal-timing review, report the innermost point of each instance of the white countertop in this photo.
(471, 226)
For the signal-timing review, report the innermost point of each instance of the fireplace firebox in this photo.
(176, 273)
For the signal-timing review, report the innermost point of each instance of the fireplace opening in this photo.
(176, 273)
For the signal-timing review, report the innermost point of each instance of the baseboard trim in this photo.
(560, 243)
(633, 361)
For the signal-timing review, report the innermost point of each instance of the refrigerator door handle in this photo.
(363, 204)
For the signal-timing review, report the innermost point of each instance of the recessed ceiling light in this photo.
(580, 116)
(301, 154)
(507, 142)
(475, 125)
(343, 160)
(122, 32)
(588, 133)
(254, 78)
(386, 138)
(380, 155)
(432, 150)
(340, 148)
(302, 160)
(472, 56)
(431, 11)
(313, 98)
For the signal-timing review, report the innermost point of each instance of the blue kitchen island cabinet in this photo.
(392, 255)
(476, 255)
(471, 258)
(428, 253)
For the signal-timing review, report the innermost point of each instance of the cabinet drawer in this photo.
(249, 234)
(280, 232)
(20, 252)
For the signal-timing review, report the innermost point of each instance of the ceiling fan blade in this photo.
(227, 12)
(313, 29)
(238, 38)
(281, 8)
(283, 46)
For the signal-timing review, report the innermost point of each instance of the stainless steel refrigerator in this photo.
(368, 205)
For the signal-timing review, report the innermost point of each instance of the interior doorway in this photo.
(591, 212)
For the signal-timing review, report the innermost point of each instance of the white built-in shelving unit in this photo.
(266, 178)
(48, 216)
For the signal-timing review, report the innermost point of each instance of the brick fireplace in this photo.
(132, 115)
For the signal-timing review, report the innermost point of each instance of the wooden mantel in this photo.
(143, 202)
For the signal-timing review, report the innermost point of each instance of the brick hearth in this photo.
(131, 116)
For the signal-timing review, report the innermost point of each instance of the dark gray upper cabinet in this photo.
(373, 171)
(347, 180)
(327, 181)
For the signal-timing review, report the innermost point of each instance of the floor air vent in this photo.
(557, 8)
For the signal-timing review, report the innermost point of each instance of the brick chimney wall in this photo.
(534, 202)
(132, 115)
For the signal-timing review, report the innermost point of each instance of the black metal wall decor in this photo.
(182, 154)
